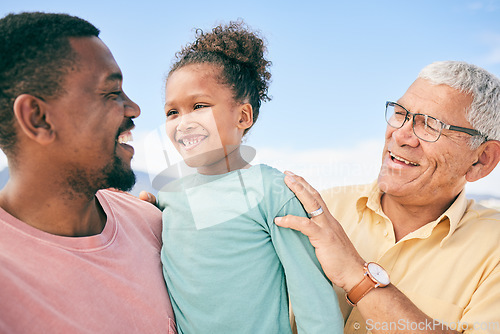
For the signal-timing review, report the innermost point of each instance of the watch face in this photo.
(378, 273)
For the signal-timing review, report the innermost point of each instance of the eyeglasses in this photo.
(425, 127)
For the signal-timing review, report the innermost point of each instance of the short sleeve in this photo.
(482, 315)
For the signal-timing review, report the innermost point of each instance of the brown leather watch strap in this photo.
(360, 290)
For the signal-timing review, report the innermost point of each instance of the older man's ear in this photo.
(489, 156)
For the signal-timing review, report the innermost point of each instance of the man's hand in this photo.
(148, 197)
(342, 263)
(337, 255)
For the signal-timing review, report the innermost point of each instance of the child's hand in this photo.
(148, 197)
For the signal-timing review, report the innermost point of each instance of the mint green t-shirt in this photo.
(230, 269)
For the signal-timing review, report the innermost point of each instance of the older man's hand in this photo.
(337, 255)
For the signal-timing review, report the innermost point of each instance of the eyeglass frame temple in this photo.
(472, 132)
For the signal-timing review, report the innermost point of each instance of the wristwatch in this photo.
(375, 277)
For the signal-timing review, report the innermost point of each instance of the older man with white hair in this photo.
(410, 253)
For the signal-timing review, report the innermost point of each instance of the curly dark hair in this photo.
(239, 52)
(35, 55)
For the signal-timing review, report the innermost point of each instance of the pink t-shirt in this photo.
(107, 283)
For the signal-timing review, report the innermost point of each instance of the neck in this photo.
(232, 161)
(407, 218)
(51, 207)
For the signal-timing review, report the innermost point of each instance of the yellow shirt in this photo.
(449, 268)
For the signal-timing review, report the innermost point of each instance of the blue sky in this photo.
(334, 65)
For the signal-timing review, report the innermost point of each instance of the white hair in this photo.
(484, 111)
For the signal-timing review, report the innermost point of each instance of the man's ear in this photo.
(31, 115)
(245, 120)
(489, 156)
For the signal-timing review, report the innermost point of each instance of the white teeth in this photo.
(191, 142)
(403, 160)
(125, 137)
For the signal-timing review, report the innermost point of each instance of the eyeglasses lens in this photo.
(425, 127)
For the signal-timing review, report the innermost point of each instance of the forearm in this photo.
(388, 310)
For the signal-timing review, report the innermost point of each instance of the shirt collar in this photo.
(371, 199)
(455, 214)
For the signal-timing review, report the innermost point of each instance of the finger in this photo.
(306, 187)
(301, 224)
(307, 195)
(148, 197)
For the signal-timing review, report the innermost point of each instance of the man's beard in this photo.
(114, 175)
(118, 176)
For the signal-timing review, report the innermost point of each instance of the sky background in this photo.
(334, 66)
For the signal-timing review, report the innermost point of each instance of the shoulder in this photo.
(481, 221)
(482, 212)
(137, 217)
(268, 172)
(346, 194)
(125, 203)
(272, 178)
(356, 190)
(278, 199)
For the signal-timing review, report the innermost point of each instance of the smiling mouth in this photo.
(125, 137)
(191, 141)
(395, 157)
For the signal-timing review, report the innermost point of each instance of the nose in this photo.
(186, 122)
(132, 110)
(405, 134)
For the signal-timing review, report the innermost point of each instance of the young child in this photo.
(228, 267)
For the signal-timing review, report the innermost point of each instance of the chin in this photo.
(204, 159)
(195, 162)
(385, 187)
(386, 183)
(119, 175)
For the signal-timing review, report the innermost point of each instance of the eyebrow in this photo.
(116, 76)
(192, 97)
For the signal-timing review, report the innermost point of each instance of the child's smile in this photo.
(204, 121)
(191, 141)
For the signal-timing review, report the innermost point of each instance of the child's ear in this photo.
(489, 156)
(245, 120)
(31, 115)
